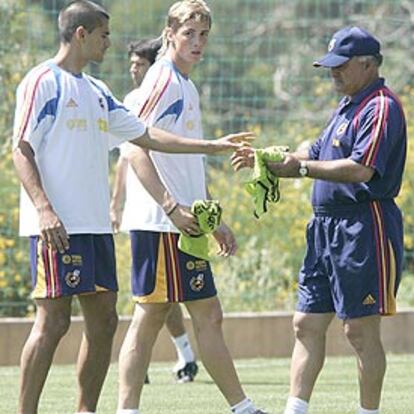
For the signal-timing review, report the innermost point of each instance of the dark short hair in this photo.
(145, 48)
(80, 13)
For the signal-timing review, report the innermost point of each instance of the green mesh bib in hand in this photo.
(208, 214)
(264, 185)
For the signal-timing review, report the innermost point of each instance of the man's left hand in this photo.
(226, 241)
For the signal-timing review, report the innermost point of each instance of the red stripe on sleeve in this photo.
(28, 103)
(157, 92)
(381, 133)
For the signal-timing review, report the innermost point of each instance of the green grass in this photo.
(264, 380)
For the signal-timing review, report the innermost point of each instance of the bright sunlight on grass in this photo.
(264, 380)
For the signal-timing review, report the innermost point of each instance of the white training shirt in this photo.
(170, 101)
(71, 122)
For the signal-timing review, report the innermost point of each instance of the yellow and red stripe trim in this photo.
(172, 267)
(386, 264)
(378, 128)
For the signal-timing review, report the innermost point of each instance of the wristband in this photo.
(172, 209)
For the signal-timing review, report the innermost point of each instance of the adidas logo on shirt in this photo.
(369, 300)
(71, 103)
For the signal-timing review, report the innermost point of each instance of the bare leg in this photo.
(207, 318)
(95, 352)
(364, 336)
(51, 323)
(308, 353)
(136, 351)
(175, 322)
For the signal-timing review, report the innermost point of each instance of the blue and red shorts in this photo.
(88, 266)
(161, 273)
(353, 261)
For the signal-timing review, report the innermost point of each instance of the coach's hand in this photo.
(52, 230)
(242, 158)
(287, 168)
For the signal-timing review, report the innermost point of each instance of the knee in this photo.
(304, 328)
(104, 329)
(110, 324)
(355, 336)
(53, 328)
(213, 319)
(216, 317)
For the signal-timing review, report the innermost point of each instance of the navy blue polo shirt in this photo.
(369, 129)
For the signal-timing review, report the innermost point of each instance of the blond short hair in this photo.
(180, 13)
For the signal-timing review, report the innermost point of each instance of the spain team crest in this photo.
(197, 282)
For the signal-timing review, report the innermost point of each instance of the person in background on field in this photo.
(142, 54)
(353, 262)
(65, 124)
(163, 275)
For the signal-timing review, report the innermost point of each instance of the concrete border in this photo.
(248, 335)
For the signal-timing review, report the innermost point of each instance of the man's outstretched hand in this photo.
(232, 142)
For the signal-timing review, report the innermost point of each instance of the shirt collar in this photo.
(174, 67)
(359, 97)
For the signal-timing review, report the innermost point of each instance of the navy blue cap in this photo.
(347, 43)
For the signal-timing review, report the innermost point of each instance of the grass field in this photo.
(265, 380)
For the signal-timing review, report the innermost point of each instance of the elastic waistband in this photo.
(341, 210)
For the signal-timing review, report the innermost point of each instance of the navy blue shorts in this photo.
(161, 273)
(88, 266)
(353, 261)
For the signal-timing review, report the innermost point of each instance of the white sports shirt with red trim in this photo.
(167, 100)
(71, 122)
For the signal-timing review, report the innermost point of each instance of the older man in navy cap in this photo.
(354, 252)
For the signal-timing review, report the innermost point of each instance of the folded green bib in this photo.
(208, 214)
(264, 185)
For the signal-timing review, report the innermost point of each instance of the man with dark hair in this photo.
(80, 13)
(65, 124)
(142, 55)
(353, 262)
